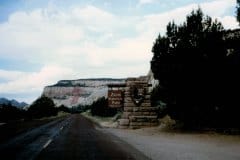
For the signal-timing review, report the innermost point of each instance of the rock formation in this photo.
(138, 111)
(79, 92)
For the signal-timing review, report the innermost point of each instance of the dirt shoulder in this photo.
(164, 143)
(157, 144)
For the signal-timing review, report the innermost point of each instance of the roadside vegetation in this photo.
(108, 122)
(100, 113)
(98, 108)
(9, 112)
(42, 107)
(198, 69)
(15, 121)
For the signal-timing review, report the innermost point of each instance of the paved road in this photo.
(28, 145)
(72, 138)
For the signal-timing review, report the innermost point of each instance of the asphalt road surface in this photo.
(69, 139)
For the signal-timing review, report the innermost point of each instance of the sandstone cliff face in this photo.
(79, 92)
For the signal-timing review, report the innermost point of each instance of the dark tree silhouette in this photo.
(100, 108)
(9, 112)
(238, 11)
(63, 108)
(192, 63)
(42, 107)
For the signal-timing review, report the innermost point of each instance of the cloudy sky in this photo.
(43, 41)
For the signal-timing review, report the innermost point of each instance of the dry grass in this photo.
(108, 122)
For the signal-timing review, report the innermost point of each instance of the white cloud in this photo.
(228, 22)
(92, 18)
(85, 33)
(216, 9)
(22, 82)
(90, 13)
(141, 2)
(87, 41)
(11, 75)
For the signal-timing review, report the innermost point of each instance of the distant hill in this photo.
(13, 102)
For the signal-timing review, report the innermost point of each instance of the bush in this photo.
(197, 69)
(79, 108)
(42, 107)
(100, 108)
(63, 109)
(9, 112)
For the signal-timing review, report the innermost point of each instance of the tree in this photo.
(63, 108)
(238, 11)
(9, 112)
(100, 108)
(188, 62)
(42, 107)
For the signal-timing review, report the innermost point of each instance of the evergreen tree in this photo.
(42, 107)
(238, 11)
(188, 62)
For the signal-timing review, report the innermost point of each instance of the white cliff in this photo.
(79, 92)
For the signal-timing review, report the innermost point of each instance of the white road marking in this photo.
(2, 124)
(48, 142)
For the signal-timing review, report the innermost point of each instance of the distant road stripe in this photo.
(2, 124)
(48, 142)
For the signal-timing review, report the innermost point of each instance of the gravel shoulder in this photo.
(157, 145)
(160, 144)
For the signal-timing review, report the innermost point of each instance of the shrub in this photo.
(100, 108)
(63, 108)
(9, 112)
(42, 107)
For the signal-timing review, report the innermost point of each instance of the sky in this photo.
(44, 41)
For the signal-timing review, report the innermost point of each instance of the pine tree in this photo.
(238, 11)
